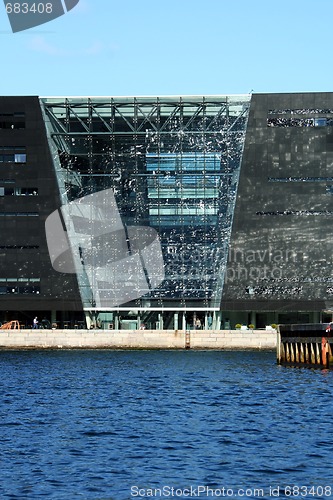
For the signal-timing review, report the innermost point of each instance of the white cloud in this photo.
(38, 43)
(96, 48)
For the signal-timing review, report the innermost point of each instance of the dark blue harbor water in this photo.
(117, 425)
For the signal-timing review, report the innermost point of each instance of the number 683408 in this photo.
(25, 8)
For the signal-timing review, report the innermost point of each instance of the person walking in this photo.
(35, 322)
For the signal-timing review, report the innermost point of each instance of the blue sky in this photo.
(146, 47)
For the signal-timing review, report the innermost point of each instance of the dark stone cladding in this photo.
(280, 255)
(25, 255)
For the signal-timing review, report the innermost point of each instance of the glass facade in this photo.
(171, 164)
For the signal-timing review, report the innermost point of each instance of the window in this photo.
(7, 158)
(4, 191)
(19, 247)
(19, 214)
(320, 122)
(19, 286)
(290, 122)
(4, 290)
(20, 158)
(12, 121)
(300, 179)
(297, 212)
(299, 118)
(23, 191)
(13, 154)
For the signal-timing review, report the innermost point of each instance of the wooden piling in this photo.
(305, 345)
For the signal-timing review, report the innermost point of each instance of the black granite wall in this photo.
(28, 194)
(281, 247)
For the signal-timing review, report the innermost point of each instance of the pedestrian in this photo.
(35, 322)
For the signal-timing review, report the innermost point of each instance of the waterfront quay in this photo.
(137, 339)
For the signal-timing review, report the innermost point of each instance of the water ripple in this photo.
(91, 424)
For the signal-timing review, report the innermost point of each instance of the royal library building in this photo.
(162, 211)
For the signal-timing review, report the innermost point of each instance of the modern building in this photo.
(164, 211)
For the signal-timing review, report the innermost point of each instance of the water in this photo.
(116, 425)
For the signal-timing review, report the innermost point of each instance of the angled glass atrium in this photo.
(169, 167)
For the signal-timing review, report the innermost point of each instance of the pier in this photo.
(137, 339)
(305, 345)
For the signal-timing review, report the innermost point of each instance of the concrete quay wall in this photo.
(137, 339)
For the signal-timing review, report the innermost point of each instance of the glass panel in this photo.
(20, 158)
(173, 165)
(320, 122)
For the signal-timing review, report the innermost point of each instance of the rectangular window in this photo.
(12, 121)
(6, 158)
(19, 286)
(19, 247)
(19, 191)
(19, 214)
(20, 158)
(320, 122)
(26, 191)
(13, 154)
(290, 122)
